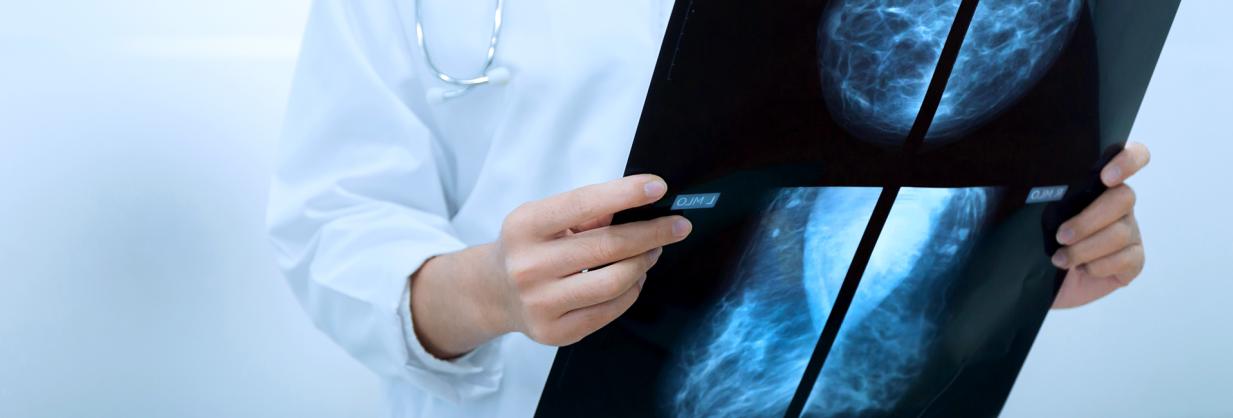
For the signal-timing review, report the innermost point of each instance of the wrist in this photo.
(452, 303)
(490, 291)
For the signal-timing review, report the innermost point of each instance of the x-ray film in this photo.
(875, 186)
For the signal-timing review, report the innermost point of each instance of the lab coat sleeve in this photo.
(357, 205)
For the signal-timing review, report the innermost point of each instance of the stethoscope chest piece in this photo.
(498, 76)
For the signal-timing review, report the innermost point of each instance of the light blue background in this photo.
(136, 139)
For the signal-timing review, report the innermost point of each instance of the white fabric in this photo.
(372, 180)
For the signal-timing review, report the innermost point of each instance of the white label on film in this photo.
(1047, 194)
(695, 201)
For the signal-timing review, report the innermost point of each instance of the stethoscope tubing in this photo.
(466, 83)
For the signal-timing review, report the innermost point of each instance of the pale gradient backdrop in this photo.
(136, 138)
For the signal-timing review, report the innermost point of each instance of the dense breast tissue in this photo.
(750, 353)
(877, 58)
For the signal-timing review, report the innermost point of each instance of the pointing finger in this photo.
(554, 215)
(598, 247)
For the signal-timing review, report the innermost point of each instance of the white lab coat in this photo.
(372, 180)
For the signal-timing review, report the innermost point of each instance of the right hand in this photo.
(566, 272)
(559, 272)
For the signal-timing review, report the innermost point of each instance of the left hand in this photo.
(1102, 248)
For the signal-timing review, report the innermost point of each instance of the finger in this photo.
(596, 223)
(549, 217)
(587, 320)
(601, 246)
(1112, 205)
(1128, 162)
(601, 285)
(1123, 266)
(1080, 289)
(1109, 240)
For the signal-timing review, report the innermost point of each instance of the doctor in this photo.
(437, 235)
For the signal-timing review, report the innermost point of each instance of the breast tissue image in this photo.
(877, 58)
(749, 358)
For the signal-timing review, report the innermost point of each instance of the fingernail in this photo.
(655, 188)
(1064, 235)
(1059, 260)
(681, 227)
(656, 253)
(1112, 175)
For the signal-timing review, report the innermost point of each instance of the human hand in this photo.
(566, 271)
(1103, 249)
(558, 272)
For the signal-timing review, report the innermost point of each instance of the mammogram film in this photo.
(877, 244)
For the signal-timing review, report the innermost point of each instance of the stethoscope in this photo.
(489, 75)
